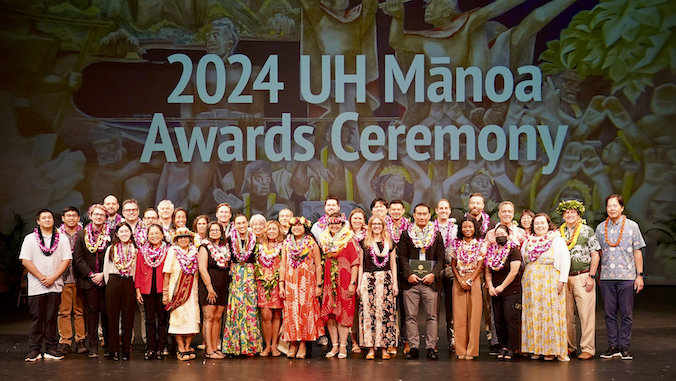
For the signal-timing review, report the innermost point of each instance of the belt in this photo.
(572, 273)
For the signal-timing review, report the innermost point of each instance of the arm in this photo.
(589, 282)
(638, 260)
(282, 274)
(203, 263)
(361, 268)
(165, 289)
(107, 263)
(354, 271)
(492, 10)
(489, 282)
(59, 270)
(318, 269)
(393, 269)
(79, 261)
(439, 261)
(30, 267)
(514, 267)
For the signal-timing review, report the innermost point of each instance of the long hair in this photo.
(369, 239)
(173, 217)
(477, 229)
(116, 239)
(352, 213)
(221, 238)
(549, 222)
(197, 219)
(264, 236)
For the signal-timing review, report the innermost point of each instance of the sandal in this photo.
(183, 356)
(549, 358)
(509, 355)
(392, 351)
(265, 352)
(502, 353)
(342, 355)
(292, 351)
(212, 356)
(356, 348)
(331, 353)
(385, 355)
(371, 355)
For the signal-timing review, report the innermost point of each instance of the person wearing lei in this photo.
(268, 260)
(179, 293)
(130, 212)
(448, 230)
(199, 226)
(90, 247)
(112, 205)
(581, 287)
(149, 284)
(396, 223)
(356, 223)
(421, 242)
(621, 274)
(214, 265)
(543, 324)
(341, 269)
(476, 209)
(241, 332)
(119, 270)
(503, 280)
(331, 206)
(526, 221)
(378, 289)
(467, 263)
(300, 284)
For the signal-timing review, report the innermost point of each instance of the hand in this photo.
(73, 80)
(428, 279)
(638, 284)
(413, 279)
(492, 291)
(476, 116)
(351, 290)
(221, 196)
(465, 286)
(656, 172)
(591, 163)
(98, 279)
(320, 170)
(617, 113)
(589, 284)
(559, 287)
(395, 290)
(282, 291)
(165, 298)
(139, 297)
(551, 96)
(211, 297)
(318, 291)
(571, 162)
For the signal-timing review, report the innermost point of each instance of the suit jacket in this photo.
(144, 276)
(84, 262)
(407, 251)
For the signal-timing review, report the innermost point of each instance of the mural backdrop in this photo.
(267, 104)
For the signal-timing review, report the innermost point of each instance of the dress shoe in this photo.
(432, 354)
(585, 356)
(125, 357)
(115, 355)
(413, 354)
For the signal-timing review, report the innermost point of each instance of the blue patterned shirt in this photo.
(617, 263)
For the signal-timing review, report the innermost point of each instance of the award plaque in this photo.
(421, 268)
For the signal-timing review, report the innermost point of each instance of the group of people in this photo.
(267, 287)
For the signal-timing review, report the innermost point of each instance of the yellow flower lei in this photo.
(576, 234)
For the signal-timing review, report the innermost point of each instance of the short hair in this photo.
(257, 218)
(160, 228)
(503, 227)
(227, 25)
(150, 210)
(197, 219)
(332, 197)
(397, 201)
(129, 201)
(477, 194)
(96, 206)
(280, 212)
(422, 204)
(222, 205)
(477, 228)
(505, 203)
(444, 200)
(549, 221)
(70, 209)
(165, 201)
(619, 198)
(377, 200)
(44, 211)
(528, 212)
(240, 214)
(111, 195)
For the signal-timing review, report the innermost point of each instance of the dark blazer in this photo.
(407, 251)
(84, 262)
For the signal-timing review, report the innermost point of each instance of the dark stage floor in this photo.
(653, 345)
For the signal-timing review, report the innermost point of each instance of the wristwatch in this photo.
(354, 283)
(641, 273)
(469, 281)
(592, 276)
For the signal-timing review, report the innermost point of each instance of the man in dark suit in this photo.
(421, 242)
(90, 247)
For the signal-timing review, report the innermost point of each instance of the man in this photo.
(284, 216)
(45, 257)
(223, 214)
(71, 300)
(150, 217)
(506, 215)
(449, 232)
(621, 273)
(581, 288)
(165, 209)
(130, 212)
(423, 243)
(90, 247)
(112, 206)
(331, 205)
(396, 223)
(476, 209)
(379, 208)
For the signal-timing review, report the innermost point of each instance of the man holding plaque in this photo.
(421, 259)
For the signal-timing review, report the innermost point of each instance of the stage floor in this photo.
(653, 346)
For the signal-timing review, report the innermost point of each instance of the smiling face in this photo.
(130, 212)
(180, 219)
(223, 214)
(155, 235)
(201, 226)
(571, 217)
(46, 221)
(467, 229)
(272, 232)
(111, 205)
(379, 209)
(506, 214)
(98, 217)
(331, 206)
(183, 242)
(540, 226)
(526, 221)
(284, 217)
(396, 211)
(298, 230)
(614, 209)
(124, 234)
(357, 222)
(335, 228)
(443, 210)
(215, 232)
(421, 216)
(241, 225)
(165, 210)
(150, 217)
(257, 227)
(377, 226)
(476, 206)
(70, 219)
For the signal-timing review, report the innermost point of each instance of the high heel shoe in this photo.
(342, 355)
(331, 353)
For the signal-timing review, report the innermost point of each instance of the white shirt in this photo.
(46, 265)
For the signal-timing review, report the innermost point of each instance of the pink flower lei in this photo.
(496, 256)
(62, 228)
(467, 252)
(101, 241)
(153, 257)
(55, 241)
(297, 253)
(140, 233)
(449, 233)
(395, 233)
(187, 259)
(375, 252)
(428, 234)
(360, 236)
(220, 253)
(323, 221)
(237, 250)
(485, 221)
(539, 245)
(124, 260)
(267, 257)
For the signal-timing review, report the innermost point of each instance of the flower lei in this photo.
(496, 256)
(217, 253)
(467, 252)
(375, 252)
(448, 238)
(485, 221)
(41, 241)
(116, 221)
(153, 257)
(395, 232)
(573, 238)
(323, 221)
(331, 245)
(295, 253)
(422, 238)
(140, 233)
(124, 259)
(241, 253)
(101, 241)
(62, 228)
(619, 237)
(539, 245)
(360, 236)
(187, 259)
(267, 257)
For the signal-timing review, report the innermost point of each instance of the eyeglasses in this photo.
(130, 210)
(98, 215)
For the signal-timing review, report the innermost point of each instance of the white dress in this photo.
(185, 319)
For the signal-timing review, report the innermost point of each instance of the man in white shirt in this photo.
(45, 257)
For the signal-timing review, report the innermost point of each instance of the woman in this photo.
(526, 221)
(467, 263)
(214, 260)
(257, 224)
(199, 226)
(543, 321)
(268, 259)
(179, 219)
(356, 224)
(179, 293)
(300, 284)
(340, 282)
(119, 268)
(503, 280)
(149, 283)
(242, 334)
(378, 289)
